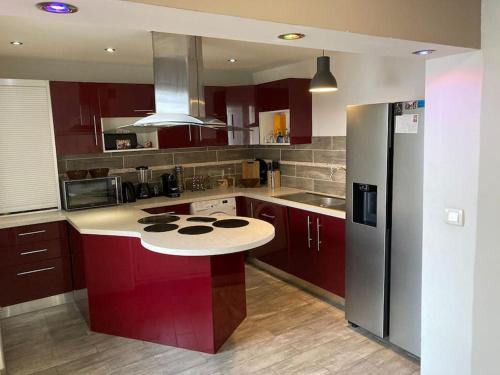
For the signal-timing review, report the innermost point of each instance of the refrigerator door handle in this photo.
(318, 239)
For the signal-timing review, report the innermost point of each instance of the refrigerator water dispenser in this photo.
(364, 204)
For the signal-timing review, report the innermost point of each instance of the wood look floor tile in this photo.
(287, 331)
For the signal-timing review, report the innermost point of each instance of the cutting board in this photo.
(250, 169)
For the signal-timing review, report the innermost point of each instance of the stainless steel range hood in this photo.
(179, 96)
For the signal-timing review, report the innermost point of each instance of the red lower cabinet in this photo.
(275, 252)
(27, 282)
(34, 262)
(317, 249)
(188, 302)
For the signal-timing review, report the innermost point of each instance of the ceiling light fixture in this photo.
(424, 52)
(16, 43)
(56, 7)
(323, 80)
(232, 60)
(110, 49)
(291, 36)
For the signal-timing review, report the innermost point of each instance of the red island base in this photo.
(191, 302)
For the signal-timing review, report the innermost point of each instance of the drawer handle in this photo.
(31, 233)
(271, 217)
(35, 271)
(34, 252)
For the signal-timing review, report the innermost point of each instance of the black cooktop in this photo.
(161, 227)
(196, 229)
(158, 219)
(230, 223)
(202, 219)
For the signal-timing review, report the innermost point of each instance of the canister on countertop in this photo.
(179, 175)
(274, 175)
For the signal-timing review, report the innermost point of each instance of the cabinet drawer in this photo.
(34, 280)
(33, 252)
(32, 233)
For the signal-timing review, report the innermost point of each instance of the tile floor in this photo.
(287, 331)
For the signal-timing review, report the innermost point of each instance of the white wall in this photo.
(486, 336)
(362, 79)
(451, 159)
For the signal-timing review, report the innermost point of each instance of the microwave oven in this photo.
(90, 192)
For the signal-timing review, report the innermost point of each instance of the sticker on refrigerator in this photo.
(407, 124)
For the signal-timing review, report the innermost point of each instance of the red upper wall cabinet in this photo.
(215, 106)
(126, 100)
(292, 94)
(77, 118)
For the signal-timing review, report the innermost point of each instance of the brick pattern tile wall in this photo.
(319, 166)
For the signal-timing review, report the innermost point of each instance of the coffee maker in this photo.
(170, 188)
(143, 190)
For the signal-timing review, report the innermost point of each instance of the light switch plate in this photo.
(454, 216)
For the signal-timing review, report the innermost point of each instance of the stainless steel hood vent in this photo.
(179, 96)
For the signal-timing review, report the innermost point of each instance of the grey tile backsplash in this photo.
(319, 166)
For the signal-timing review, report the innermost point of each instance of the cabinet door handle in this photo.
(190, 138)
(318, 238)
(34, 252)
(309, 239)
(267, 216)
(251, 209)
(35, 271)
(95, 130)
(201, 134)
(31, 233)
(232, 124)
(143, 110)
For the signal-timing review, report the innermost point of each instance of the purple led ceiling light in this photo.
(56, 7)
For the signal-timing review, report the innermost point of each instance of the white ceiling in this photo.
(45, 39)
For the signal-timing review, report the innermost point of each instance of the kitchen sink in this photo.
(316, 200)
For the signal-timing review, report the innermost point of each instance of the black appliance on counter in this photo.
(143, 190)
(262, 171)
(128, 192)
(170, 188)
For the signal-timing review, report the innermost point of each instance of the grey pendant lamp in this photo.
(323, 80)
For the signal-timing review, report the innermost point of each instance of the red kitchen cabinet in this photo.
(76, 116)
(302, 250)
(179, 209)
(178, 136)
(77, 259)
(317, 249)
(34, 262)
(244, 206)
(274, 252)
(330, 259)
(292, 94)
(241, 112)
(126, 100)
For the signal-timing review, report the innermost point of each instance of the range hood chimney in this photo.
(179, 96)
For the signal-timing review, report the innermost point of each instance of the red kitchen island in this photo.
(172, 288)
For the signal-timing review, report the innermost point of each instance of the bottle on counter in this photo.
(179, 175)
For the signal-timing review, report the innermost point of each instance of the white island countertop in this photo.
(123, 221)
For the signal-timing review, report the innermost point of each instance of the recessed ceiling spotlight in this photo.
(291, 36)
(424, 52)
(232, 60)
(56, 7)
(16, 43)
(110, 49)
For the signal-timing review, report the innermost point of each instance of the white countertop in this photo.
(122, 221)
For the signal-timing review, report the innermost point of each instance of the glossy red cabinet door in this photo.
(77, 119)
(330, 259)
(302, 244)
(215, 106)
(178, 136)
(275, 252)
(241, 112)
(36, 280)
(292, 94)
(126, 100)
(77, 259)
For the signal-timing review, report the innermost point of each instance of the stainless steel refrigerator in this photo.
(385, 144)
